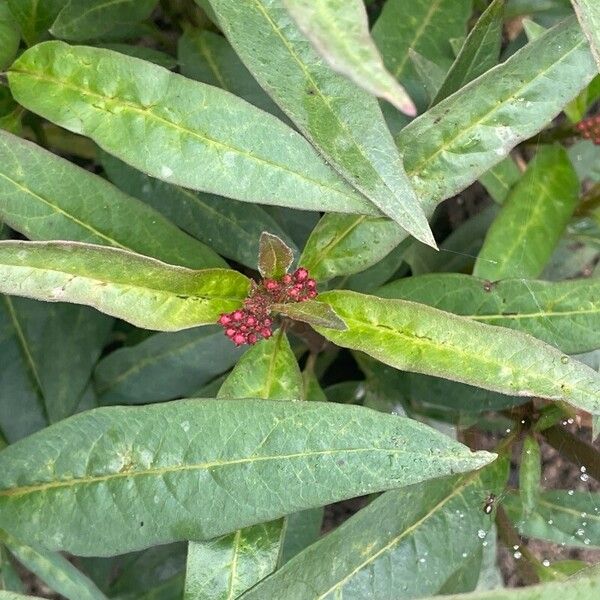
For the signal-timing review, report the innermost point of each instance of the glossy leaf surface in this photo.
(87, 19)
(140, 290)
(565, 314)
(245, 153)
(54, 570)
(398, 560)
(204, 216)
(418, 338)
(533, 218)
(34, 17)
(45, 197)
(344, 122)
(313, 313)
(339, 31)
(164, 367)
(479, 53)
(169, 471)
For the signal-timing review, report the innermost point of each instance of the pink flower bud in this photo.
(230, 332)
(250, 321)
(271, 286)
(224, 319)
(237, 315)
(287, 279)
(266, 332)
(311, 284)
(251, 339)
(301, 274)
(239, 339)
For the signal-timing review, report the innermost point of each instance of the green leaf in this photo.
(530, 474)
(9, 579)
(274, 256)
(59, 345)
(230, 565)
(167, 472)
(245, 153)
(46, 197)
(22, 407)
(339, 32)
(424, 26)
(268, 370)
(135, 288)
(575, 588)
(398, 560)
(341, 120)
(500, 179)
(224, 568)
(10, 112)
(54, 570)
(559, 516)
(588, 13)
(165, 366)
(35, 17)
(347, 244)
(431, 75)
(565, 314)
(150, 54)
(13, 596)
(204, 216)
(459, 139)
(208, 57)
(421, 339)
(479, 53)
(9, 36)
(521, 240)
(312, 312)
(88, 19)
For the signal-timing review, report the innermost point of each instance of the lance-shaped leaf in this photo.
(565, 314)
(459, 139)
(588, 13)
(87, 19)
(418, 338)
(576, 588)
(341, 120)
(500, 179)
(9, 578)
(177, 470)
(46, 197)
(226, 567)
(165, 366)
(425, 26)
(532, 220)
(479, 53)
(431, 75)
(225, 146)
(274, 256)
(204, 216)
(312, 312)
(53, 569)
(150, 54)
(339, 32)
(347, 244)
(15, 596)
(135, 288)
(34, 17)
(9, 36)
(430, 530)
(559, 516)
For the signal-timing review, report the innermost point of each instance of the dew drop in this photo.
(481, 534)
(550, 522)
(564, 360)
(464, 555)
(166, 171)
(580, 532)
(546, 562)
(517, 555)
(570, 492)
(584, 477)
(587, 541)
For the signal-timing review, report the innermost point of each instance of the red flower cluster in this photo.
(590, 129)
(252, 322)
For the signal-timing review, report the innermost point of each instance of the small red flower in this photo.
(252, 322)
(589, 129)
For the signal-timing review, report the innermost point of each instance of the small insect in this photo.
(489, 504)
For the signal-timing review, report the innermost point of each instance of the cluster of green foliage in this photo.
(157, 159)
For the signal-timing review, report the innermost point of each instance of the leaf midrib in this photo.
(184, 130)
(162, 471)
(498, 106)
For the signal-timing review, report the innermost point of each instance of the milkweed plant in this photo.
(262, 257)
